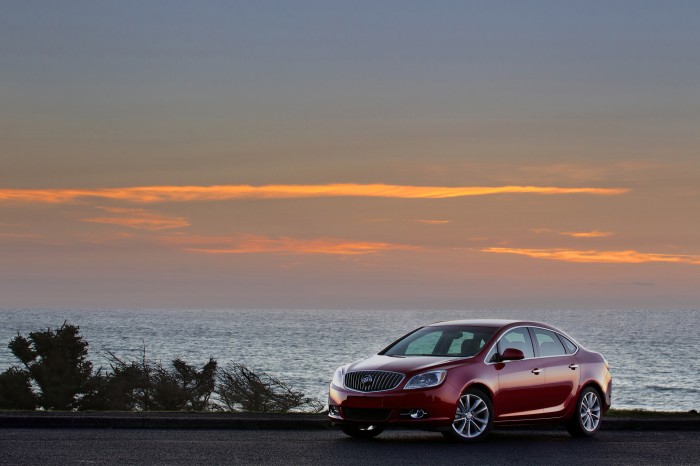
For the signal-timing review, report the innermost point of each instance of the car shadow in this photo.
(501, 447)
(501, 437)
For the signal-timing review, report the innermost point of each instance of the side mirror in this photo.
(512, 354)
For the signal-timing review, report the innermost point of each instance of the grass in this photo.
(642, 413)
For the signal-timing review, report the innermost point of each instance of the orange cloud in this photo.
(140, 219)
(433, 222)
(261, 244)
(611, 257)
(587, 234)
(19, 235)
(152, 194)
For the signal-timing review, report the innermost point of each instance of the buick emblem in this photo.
(366, 380)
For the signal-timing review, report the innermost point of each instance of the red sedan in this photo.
(463, 377)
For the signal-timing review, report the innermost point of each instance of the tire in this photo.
(473, 417)
(362, 432)
(587, 414)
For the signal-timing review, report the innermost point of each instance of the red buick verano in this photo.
(462, 377)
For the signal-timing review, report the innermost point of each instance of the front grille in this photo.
(372, 381)
(366, 414)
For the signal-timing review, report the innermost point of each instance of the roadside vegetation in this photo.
(55, 374)
(637, 413)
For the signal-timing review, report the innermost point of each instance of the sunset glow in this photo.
(433, 222)
(594, 256)
(587, 234)
(260, 244)
(393, 155)
(139, 218)
(153, 194)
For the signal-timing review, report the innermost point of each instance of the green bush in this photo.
(128, 387)
(57, 362)
(16, 390)
(147, 386)
(185, 388)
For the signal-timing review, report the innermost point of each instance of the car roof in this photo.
(500, 323)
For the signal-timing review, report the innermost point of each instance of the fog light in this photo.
(334, 411)
(417, 414)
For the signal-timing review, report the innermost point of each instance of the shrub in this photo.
(145, 386)
(57, 362)
(185, 388)
(16, 390)
(127, 388)
(240, 389)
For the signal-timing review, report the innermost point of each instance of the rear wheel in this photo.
(586, 419)
(473, 417)
(365, 431)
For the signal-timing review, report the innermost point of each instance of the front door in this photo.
(519, 381)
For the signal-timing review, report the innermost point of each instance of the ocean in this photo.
(654, 355)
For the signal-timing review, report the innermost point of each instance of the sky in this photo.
(354, 155)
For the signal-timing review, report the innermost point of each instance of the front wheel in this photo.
(586, 419)
(473, 417)
(364, 432)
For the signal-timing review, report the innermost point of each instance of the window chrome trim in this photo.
(536, 357)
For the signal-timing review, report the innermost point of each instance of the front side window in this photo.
(548, 343)
(457, 341)
(518, 338)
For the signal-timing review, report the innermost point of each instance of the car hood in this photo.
(401, 364)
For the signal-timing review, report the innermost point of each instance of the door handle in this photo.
(536, 371)
(573, 367)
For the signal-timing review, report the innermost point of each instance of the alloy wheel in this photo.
(589, 410)
(472, 416)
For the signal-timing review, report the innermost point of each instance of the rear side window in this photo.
(548, 343)
(568, 344)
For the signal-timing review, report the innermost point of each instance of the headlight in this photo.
(338, 376)
(426, 379)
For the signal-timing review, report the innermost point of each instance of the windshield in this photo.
(449, 340)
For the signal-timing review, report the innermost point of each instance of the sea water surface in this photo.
(654, 355)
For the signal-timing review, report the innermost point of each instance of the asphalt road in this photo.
(319, 447)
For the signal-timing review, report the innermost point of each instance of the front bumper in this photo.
(432, 407)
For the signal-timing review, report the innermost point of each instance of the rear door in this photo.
(560, 370)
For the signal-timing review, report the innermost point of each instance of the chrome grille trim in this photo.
(381, 381)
